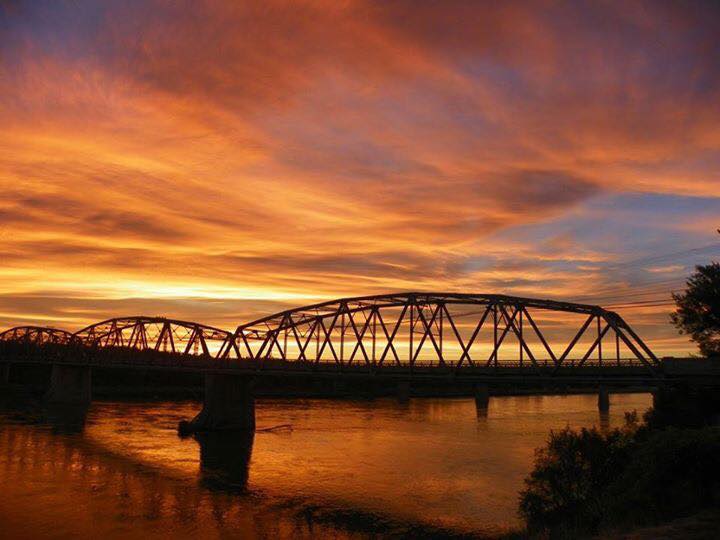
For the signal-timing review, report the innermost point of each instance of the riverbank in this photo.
(701, 526)
(645, 474)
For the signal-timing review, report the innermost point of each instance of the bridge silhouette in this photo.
(444, 338)
(428, 328)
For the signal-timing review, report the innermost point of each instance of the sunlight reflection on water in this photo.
(431, 462)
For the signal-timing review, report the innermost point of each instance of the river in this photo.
(340, 469)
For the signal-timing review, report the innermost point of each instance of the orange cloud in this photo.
(172, 156)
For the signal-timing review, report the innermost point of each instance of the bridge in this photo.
(476, 340)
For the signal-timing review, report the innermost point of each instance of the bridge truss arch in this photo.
(158, 334)
(36, 335)
(444, 330)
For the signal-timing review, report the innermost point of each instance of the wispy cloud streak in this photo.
(172, 155)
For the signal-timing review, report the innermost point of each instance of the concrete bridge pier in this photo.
(482, 396)
(228, 405)
(403, 391)
(70, 385)
(225, 458)
(660, 394)
(603, 399)
(338, 387)
(5, 374)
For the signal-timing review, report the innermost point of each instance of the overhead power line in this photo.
(667, 256)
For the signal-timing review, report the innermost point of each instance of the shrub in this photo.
(671, 473)
(586, 481)
(684, 407)
(565, 489)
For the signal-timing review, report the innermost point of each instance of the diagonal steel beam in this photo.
(391, 337)
(500, 340)
(540, 335)
(428, 332)
(517, 332)
(595, 344)
(478, 327)
(572, 343)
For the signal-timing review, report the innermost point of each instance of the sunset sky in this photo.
(218, 161)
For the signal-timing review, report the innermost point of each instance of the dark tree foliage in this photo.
(586, 481)
(683, 407)
(672, 473)
(698, 309)
(566, 486)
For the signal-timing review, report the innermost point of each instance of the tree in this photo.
(698, 309)
(587, 482)
(565, 488)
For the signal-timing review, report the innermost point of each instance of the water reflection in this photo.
(481, 411)
(225, 459)
(348, 469)
(66, 418)
(66, 487)
(604, 421)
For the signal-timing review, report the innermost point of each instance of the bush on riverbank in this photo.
(565, 490)
(684, 407)
(672, 473)
(588, 481)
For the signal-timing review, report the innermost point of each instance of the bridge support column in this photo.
(603, 399)
(338, 387)
(482, 396)
(5, 374)
(225, 458)
(660, 396)
(70, 385)
(228, 405)
(403, 391)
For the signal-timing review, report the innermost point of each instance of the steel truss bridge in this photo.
(415, 333)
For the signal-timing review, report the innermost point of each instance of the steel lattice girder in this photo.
(320, 322)
(37, 335)
(374, 330)
(157, 333)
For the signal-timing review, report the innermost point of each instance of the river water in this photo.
(340, 469)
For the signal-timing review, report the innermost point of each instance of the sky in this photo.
(219, 161)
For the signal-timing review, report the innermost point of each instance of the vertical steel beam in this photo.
(285, 341)
(622, 324)
(510, 324)
(374, 334)
(520, 337)
(440, 332)
(495, 335)
(630, 345)
(515, 330)
(412, 330)
(342, 334)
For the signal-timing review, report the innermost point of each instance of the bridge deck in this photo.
(691, 371)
